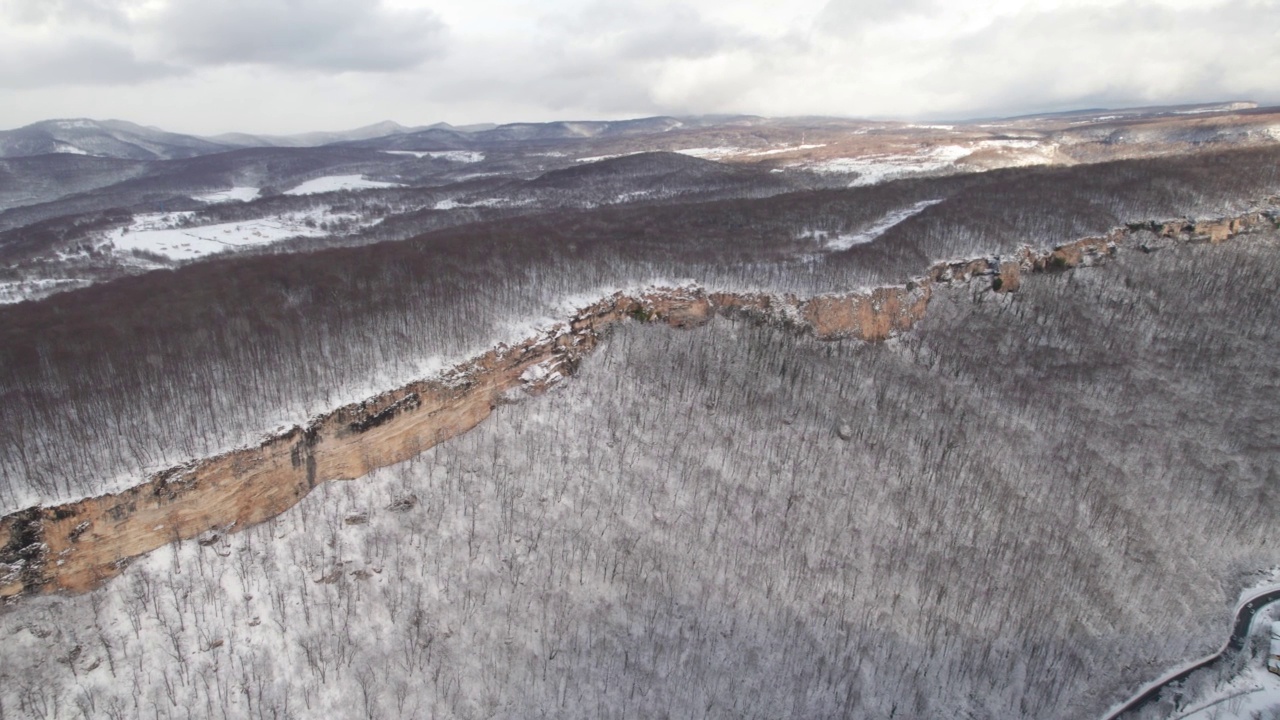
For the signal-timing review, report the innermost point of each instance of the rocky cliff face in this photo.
(76, 546)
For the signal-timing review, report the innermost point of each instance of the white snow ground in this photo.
(163, 233)
(713, 153)
(331, 183)
(786, 148)
(718, 153)
(874, 169)
(836, 242)
(17, 291)
(235, 194)
(66, 149)
(1251, 694)
(598, 158)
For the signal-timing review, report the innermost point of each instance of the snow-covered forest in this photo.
(102, 385)
(1027, 506)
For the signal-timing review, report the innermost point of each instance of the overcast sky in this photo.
(280, 66)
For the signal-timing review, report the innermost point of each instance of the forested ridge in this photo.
(1026, 506)
(103, 384)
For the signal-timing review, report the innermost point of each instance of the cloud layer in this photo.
(88, 42)
(291, 65)
(322, 35)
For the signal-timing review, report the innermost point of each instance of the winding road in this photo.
(1244, 620)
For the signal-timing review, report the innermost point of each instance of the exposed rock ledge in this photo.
(76, 546)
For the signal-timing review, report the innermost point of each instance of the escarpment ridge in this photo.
(73, 547)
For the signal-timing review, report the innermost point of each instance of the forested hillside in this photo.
(100, 385)
(1024, 507)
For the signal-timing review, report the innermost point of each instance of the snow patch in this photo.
(708, 153)
(633, 195)
(1022, 152)
(834, 242)
(166, 234)
(1225, 107)
(64, 149)
(875, 169)
(35, 288)
(546, 371)
(459, 156)
(451, 203)
(598, 158)
(235, 194)
(1015, 143)
(331, 183)
(790, 148)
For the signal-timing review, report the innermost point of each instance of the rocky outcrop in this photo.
(76, 546)
(874, 316)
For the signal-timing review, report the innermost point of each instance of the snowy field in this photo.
(873, 169)
(332, 183)
(235, 194)
(164, 233)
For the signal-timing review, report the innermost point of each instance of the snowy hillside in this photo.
(739, 519)
(106, 138)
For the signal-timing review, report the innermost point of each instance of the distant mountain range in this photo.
(386, 129)
(129, 141)
(85, 201)
(103, 138)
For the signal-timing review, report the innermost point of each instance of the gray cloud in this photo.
(108, 13)
(1132, 52)
(649, 32)
(77, 60)
(610, 57)
(846, 16)
(327, 35)
(508, 60)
